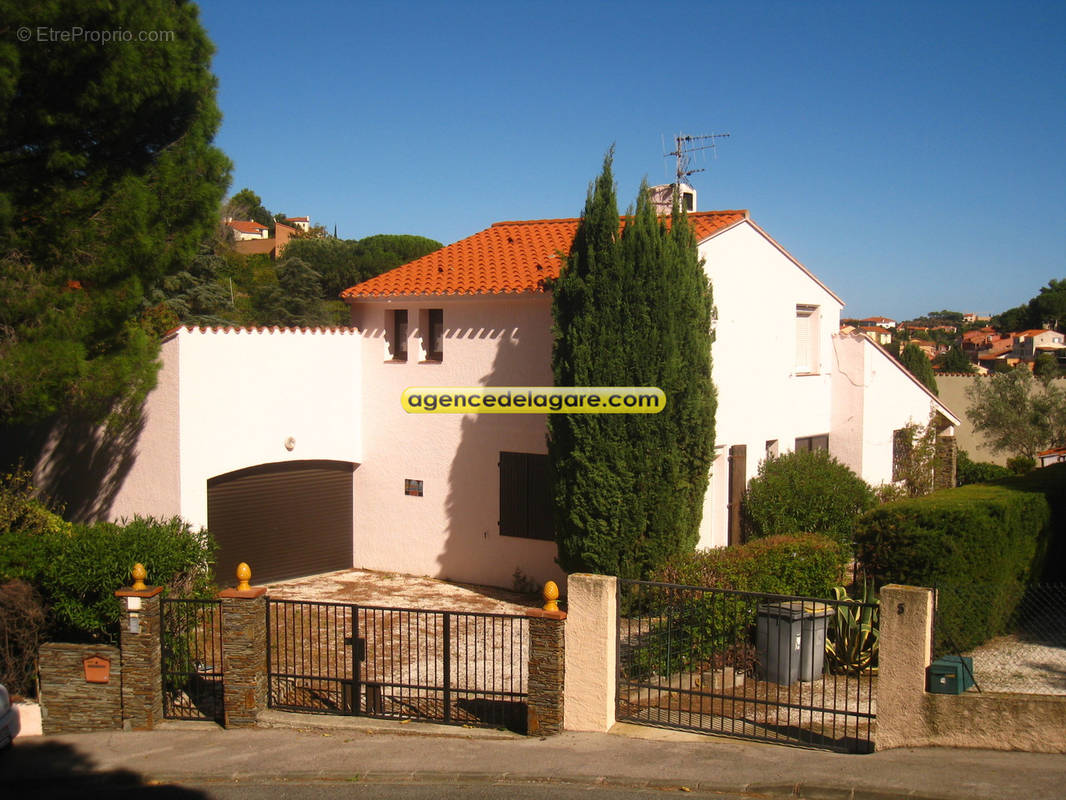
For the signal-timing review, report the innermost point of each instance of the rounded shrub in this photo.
(805, 492)
(806, 564)
(968, 471)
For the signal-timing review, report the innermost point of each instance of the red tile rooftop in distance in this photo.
(508, 258)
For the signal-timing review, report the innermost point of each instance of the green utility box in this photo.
(950, 675)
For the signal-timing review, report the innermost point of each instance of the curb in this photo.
(784, 791)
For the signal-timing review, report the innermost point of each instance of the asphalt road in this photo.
(357, 790)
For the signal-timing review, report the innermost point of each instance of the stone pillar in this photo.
(904, 653)
(547, 668)
(140, 639)
(244, 652)
(945, 465)
(591, 652)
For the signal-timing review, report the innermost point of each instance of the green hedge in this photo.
(77, 568)
(982, 544)
(806, 564)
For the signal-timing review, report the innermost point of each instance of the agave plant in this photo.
(854, 631)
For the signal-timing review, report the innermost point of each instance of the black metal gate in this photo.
(787, 669)
(191, 644)
(442, 666)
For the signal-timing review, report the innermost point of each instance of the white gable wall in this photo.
(761, 393)
(872, 397)
(243, 393)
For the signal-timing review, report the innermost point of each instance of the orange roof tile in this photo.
(246, 226)
(509, 257)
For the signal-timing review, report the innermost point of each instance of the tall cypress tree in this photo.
(631, 309)
(918, 364)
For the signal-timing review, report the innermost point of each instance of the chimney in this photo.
(662, 197)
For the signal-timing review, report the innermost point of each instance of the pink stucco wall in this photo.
(451, 531)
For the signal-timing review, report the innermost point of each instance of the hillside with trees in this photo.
(222, 286)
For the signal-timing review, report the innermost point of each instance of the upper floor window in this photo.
(433, 334)
(807, 444)
(398, 334)
(806, 338)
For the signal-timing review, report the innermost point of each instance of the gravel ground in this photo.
(1013, 664)
(390, 590)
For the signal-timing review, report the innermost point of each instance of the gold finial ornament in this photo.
(139, 574)
(550, 594)
(244, 574)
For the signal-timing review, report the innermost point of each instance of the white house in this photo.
(245, 230)
(293, 447)
(1028, 344)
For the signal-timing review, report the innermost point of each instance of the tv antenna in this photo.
(685, 145)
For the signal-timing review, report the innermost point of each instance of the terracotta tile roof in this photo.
(509, 257)
(246, 226)
(1034, 332)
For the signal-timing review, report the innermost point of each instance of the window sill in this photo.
(395, 360)
(431, 361)
(805, 374)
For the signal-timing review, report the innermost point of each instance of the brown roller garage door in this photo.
(286, 520)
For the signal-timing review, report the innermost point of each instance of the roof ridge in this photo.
(715, 212)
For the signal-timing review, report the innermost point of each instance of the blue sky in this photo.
(911, 155)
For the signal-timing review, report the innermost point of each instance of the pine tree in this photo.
(108, 184)
(631, 309)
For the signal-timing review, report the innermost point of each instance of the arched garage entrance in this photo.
(286, 520)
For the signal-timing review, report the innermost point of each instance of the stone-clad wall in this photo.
(547, 664)
(69, 703)
(244, 655)
(140, 640)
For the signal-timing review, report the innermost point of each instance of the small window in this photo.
(433, 335)
(525, 496)
(412, 488)
(806, 338)
(398, 335)
(807, 444)
(688, 200)
(902, 444)
(772, 448)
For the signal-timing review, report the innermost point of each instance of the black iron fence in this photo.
(443, 666)
(191, 644)
(1016, 643)
(789, 669)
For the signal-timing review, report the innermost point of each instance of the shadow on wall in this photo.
(473, 544)
(80, 465)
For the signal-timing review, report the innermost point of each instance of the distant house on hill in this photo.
(877, 322)
(303, 223)
(1029, 344)
(247, 230)
(273, 246)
